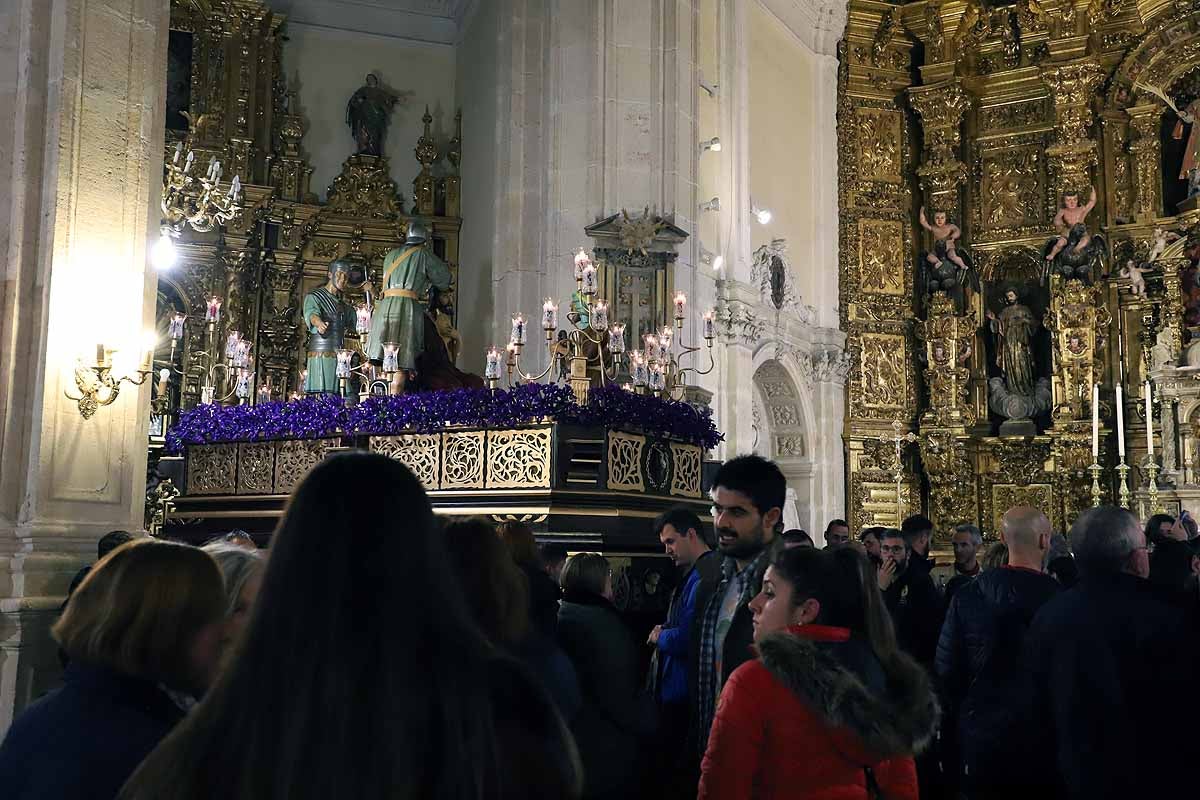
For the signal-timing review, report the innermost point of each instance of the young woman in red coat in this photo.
(830, 710)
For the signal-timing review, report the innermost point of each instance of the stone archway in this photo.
(782, 435)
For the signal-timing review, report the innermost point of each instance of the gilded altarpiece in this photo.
(999, 115)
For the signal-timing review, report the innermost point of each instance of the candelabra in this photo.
(655, 369)
(99, 384)
(1095, 470)
(899, 440)
(189, 198)
(1155, 507)
(1123, 482)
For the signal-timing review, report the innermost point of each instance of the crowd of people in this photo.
(406, 656)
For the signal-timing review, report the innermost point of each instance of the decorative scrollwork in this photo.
(625, 461)
(518, 459)
(881, 256)
(462, 460)
(212, 469)
(256, 468)
(295, 458)
(685, 480)
(420, 452)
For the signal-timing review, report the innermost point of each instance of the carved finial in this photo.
(426, 151)
(454, 153)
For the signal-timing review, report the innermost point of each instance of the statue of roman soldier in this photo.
(328, 317)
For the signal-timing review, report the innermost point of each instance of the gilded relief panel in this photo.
(1010, 190)
(879, 133)
(881, 256)
(883, 380)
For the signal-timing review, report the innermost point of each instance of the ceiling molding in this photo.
(433, 21)
(817, 23)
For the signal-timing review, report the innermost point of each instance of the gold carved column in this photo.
(1145, 147)
(1073, 156)
(941, 107)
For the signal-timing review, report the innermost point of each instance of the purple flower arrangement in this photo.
(326, 415)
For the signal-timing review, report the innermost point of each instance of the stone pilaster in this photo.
(82, 83)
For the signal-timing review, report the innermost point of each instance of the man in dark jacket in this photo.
(966, 540)
(911, 597)
(748, 495)
(682, 535)
(978, 658)
(1111, 664)
(918, 532)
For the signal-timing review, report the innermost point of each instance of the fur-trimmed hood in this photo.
(892, 712)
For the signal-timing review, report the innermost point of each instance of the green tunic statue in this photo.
(408, 273)
(327, 317)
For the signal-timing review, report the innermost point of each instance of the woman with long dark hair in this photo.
(142, 632)
(831, 708)
(360, 672)
(544, 593)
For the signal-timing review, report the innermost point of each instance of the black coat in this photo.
(1112, 666)
(617, 715)
(83, 741)
(708, 570)
(543, 599)
(978, 666)
(916, 609)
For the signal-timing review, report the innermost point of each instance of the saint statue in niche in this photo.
(367, 115)
(1018, 394)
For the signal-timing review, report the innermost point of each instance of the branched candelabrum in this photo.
(99, 384)
(189, 198)
(599, 346)
(225, 375)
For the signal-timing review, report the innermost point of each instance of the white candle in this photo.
(241, 354)
(589, 279)
(176, 326)
(491, 370)
(581, 261)
(164, 379)
(187, 165)
(242, 389)
(549, 315)
(362, 316)
(658, 378)
(518, 329)
(343, 363)
(650, 343)
(178, 151)
(391, 358)
(213, 312)
(599, 318)
(1120, 424)
(637, 368)
(680, 304)
(206, 395)
(1095, 423)
(710, 324)
(231, 344)
(1149, 420)
(616, 338)
(236, 189)
(664, 342)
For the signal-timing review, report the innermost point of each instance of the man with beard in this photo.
(910, 596)
(966, 540)
(748, 495)
(871, 540)
(837, 533)
(917, 531)
(672, 666)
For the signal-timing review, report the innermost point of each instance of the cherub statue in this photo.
(1068, 216)
(1134, 273)
(1161, 239)
(943, 232)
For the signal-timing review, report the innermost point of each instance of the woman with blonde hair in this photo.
(146, 622)
(241, 570)
(361, 673)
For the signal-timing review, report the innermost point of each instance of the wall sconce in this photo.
(713, 144)
(713, 89)
(709, 257)
(99, 384)
(711, 205)
(763, 215)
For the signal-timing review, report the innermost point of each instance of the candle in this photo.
(178, 152)
(1120, 424)
(549, 315)
(241, 354)
(242, 389)
(1149, 420)
(616, 338)
(589, 279)
(658, 378)
(599, 318)
(510, 359)
(176, 326)
(1095, 423)
(362, 318)
(264, 393)
(343, 363)
(492, 370)
(164, 379)
(680, 304)
(581, 261)
(213, 312)
(710, 325)
(650, 343)
(206, 395)
(637, 368)
(99, 354)
(391, 358)
(518, 329)
(187, 165)
(664, 343)
(236, 189)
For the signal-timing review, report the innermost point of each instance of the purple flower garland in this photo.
(326, 415)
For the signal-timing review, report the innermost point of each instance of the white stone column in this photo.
(82, 81)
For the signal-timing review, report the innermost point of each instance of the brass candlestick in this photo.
(1123, 484)
(1095, 470)
(1152, 486)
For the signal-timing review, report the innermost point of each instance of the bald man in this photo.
(978, 658)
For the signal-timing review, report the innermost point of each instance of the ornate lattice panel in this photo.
(256, 468)
(518, 459)
(625, 461)
(212, 469)
(420, 452)
(295, 458)
(462, 460)
(685, 480)
(1007, 495)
